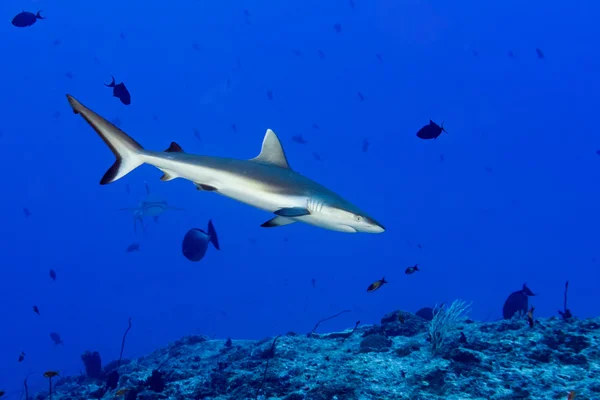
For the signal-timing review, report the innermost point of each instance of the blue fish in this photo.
(195, 242)
(431, 131)
(26, 18)
(120, 91)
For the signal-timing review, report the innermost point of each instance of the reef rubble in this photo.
(502, 360)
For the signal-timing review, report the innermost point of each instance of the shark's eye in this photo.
(358, 218)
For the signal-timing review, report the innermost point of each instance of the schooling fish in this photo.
(431, 131)
(517, 302)
(412, 270)
(21, 356)
(195, 242)
(120, 91)
(133, 247)
(376, 285)
(36, 310)
(56, 338)
(50, 374)
(25, 19)
(52, 275)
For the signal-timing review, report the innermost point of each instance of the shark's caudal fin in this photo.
(272, 152)
(128, 152)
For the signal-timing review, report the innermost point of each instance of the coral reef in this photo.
(503, 360)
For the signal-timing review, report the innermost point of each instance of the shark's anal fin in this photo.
(206, 188)
(292, 212)
(271, 151)
(174, 148)
(278, 221)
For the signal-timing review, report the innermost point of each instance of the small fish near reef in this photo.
(517, 303)
(431, 131)
(376, 285)
(50, 374)
(412, 270)
(195, 242)
(26, 18)
(120, 91)
(56, 338)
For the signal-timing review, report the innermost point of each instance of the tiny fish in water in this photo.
(316, 156)
(27, 212)
(120, 91)
(195, 242)
(361, 96)
(25, 19)
(56, 338)
(299, 139)
(36, 310)
(52, 274)
(133, 247)
(379, 57)
(539, 53)
(21, 356)
(313, 281)
(412, 270)
(321, 54)
(197, 134)
(270, 94)
(316, 126)
(376, 285)
(365, 145)
(296, 52)
(50, 374)
(431, 131)
(352, 3)
(234, 128)
(337, 28)
(511, 54)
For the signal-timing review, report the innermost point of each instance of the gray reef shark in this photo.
(266, 182)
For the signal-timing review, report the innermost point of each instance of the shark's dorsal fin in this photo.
(174, 148)
(272, 152)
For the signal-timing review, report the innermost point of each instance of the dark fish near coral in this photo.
(50, 374)
(120, 91)
(21, 356)
(412, 270)
(52, 274)
(431, 131)
(517, 302)
(56, 338)
(376, 285)
(36, 310)
(195, 242)
(25, 19)
(426, 313)
(133, 247)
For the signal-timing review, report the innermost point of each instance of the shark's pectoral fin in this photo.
(174, 148)
(271, 151)
(206, 188)
(168, 175)
(292, 212)
(278, 221)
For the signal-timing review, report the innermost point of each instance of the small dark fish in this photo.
(36, 310)
(69, 75)
(195, 242)
(2, 393)
(120, 91)
(376, 285)
(53, 274)
(431, 131)
(475, 53)
(361, 96)
(517, 302)
(21, 356)
(246, 13)
(488, 169)
(122, 36)
(270, 94)
(155, 116)
(321, 54)
(352, 3)
(511, 54)
(27, 212)
(56, 42)
(412, 270)
(299, 139)
(313, 281)
(25, 19)
(539, 53)
(196, 46)
(441, 157)
(379, 57)
(530, 319)
(316, 156)
(234, 128)
(337, 28)
(297, 52)
(133, 247)
(401, 318)
(426, 313)
(197, 134)
(315, 126)
(365, 145)
(598, 152)
(56, 338)
(50, 374)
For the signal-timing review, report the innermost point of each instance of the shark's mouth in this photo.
(348, 228)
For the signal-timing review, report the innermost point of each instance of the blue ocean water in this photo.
(509, 195)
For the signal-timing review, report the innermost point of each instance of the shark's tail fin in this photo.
(128, 152)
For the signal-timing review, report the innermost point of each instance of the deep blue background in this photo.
(533, 218)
